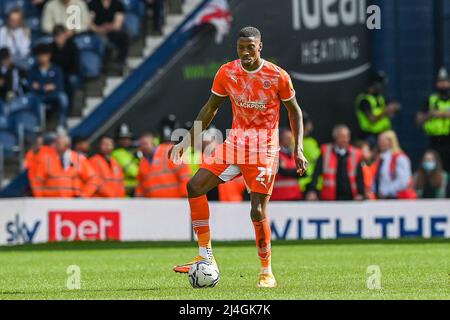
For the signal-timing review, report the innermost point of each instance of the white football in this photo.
(203, 274)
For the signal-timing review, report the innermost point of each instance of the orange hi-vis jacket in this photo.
(232, 191)
(34, 164)
(369, 178)
(286, 188)
(52, 180)
(330, 163)
(162, 178)
(30, 159)
(110, 175)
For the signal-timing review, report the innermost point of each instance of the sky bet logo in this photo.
(21, 232)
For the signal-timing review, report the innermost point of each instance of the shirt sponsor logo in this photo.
(240, 102)
(84, 225)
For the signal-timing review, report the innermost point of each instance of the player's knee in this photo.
(257, 213)
(194, 189)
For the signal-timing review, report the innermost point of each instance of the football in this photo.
(203, 274)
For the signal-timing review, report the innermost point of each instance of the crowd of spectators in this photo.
(374, 167)
(43, 60)
(129, 166)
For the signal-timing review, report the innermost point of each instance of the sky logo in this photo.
(20, 232)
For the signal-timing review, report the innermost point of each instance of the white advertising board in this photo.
(41, 220)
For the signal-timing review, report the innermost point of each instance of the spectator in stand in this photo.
(16, 37)
(340, 168)
(311, 148)
(32, 163)
(157, 6)
(431, 180)
(66, 55)
(393, 177)
(126, 158)
(108, 22)
(372, 110)
(108, 171)
(286, 186)
(47, 82)
(81, 145)
(59, 12)
(31, 155)
(162, 178)
(435, 118)
(62, 172)
(12, 79)
(367, 168)
(146, 150)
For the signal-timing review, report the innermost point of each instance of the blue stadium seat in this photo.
(34, 23)
(41, 40)
(3, 109)
(134, 6)
(28, 119)
(133, 25)
(25, 110)
(8, 138)
(90, 42)
(8, 5)
(19, 103)
(91, 64)
(31, 10)
(92, 50)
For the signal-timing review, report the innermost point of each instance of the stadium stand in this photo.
(107, 94)
(98, 79)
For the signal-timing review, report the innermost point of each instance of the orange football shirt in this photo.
(255, 97)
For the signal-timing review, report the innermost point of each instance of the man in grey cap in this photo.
(435, 118)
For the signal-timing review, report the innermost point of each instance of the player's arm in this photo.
(206, 115)
(296, 123)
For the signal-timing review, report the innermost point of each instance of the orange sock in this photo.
(200, 223)
(263, 236)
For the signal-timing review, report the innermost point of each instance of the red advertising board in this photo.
(84, 225)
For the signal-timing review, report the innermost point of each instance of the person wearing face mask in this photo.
(435, 118)
(340, 168)
(374, 113)
(431, 180)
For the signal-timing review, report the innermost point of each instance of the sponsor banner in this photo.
(83, 225)
(368, 220)
(37, 220)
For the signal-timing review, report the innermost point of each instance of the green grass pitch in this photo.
(411, 269)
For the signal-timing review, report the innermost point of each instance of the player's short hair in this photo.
(249, 32)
